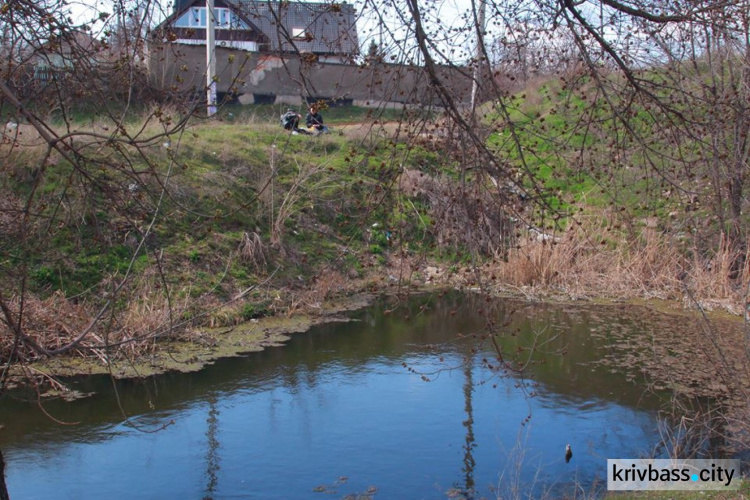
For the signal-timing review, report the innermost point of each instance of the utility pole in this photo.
(210, 59)
(478, 54)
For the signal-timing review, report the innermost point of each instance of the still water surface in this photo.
(345, 410)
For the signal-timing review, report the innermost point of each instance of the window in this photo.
(183, 21)
(223, 18)
(193, 18)
(299, 34)
(196, 18)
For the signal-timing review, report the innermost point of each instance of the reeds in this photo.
(582, 262)
(127, 325)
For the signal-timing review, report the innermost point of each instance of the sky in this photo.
(449, 13)
(386, 22)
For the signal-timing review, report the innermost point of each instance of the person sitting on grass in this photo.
(290, 121)
(314, 120)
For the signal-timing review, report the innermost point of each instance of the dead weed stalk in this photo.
(253, 251)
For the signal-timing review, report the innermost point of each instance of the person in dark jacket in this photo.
(314, 120)
(290, 121)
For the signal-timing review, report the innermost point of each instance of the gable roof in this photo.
(313, 27)
(291, 26)
(69, 49)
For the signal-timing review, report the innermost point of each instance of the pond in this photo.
(405, 401)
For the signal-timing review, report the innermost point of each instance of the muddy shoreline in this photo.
(213, 344)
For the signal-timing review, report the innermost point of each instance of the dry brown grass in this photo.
(57, 322)
(583, 263)
(326, 284)
(21, 134)
(369, 130)
(709, 280)
(51, 323)
(11, 210)
(150, 315)
(227, 315)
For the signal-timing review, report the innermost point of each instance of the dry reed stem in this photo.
(252, 250)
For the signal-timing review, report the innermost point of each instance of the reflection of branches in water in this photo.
(704, 366)
(497, 325)
(212, 455)
(505, 362)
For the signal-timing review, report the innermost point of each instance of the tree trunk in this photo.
(3, 489)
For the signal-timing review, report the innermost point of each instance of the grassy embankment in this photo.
(630, 210)
(207, 236)
(230, 221)
(631, 214)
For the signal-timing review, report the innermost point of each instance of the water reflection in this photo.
(470, 443)
(212, 452)
(346, 407)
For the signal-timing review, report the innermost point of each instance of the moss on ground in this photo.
(742, 494)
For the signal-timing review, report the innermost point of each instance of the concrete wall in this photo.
(290, 80)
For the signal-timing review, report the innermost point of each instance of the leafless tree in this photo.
(658, 91)
(659, 95)
(55, 64)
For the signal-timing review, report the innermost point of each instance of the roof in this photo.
(315, 27)
(69, 49)
(293, 26)
(70, 42)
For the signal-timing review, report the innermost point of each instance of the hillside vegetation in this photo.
(230, 220)
(630, 198)
(233, 218)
